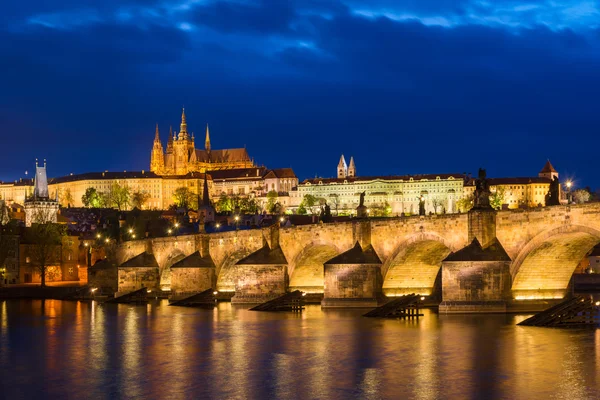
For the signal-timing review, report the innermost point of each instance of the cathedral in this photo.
(182, 156)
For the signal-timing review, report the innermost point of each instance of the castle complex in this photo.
(232, 172)
(182, 156)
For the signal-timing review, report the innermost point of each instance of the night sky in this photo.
(420, 86)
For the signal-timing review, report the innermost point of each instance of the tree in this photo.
(224, 203)
(436, 203)
(381, 210)
(44, 238)
(66, 198)
(301, 209)
(183, 197)
(272, 198)
(335, 199)
(310, 203)
(120, 196)
(91, 198)
(581, 196)
(138, 199)
(464, 204)
(248, 205)
(497, 198)
(8, 238)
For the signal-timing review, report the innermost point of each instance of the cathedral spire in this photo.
(207, 140)
(183, 128)
(351, 168)
(156, 137)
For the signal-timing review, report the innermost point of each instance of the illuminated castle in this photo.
(182, 156)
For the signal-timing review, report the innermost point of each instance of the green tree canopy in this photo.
(184, 198)
(120, 196)
(91, 198)
(272, 198)
(497, 198)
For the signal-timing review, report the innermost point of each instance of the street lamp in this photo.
(569, 184)
(237, 224)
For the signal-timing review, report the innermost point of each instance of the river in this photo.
(86, 350)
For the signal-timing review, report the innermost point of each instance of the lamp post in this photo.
(237, 222)
(569, 184)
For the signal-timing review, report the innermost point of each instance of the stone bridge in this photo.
(544, 245)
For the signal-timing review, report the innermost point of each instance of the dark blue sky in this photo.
(421, 86)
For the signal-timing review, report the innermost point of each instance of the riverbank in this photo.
(57, 291)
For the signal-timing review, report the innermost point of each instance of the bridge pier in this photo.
(477, 277)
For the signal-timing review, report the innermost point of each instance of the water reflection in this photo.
(105, 351)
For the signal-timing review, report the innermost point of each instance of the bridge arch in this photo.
(307, 271)
(226, 272)
(174, 256)
(543, 268)
(415, 264)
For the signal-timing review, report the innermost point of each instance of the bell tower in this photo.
(351, 168)
(342, 169)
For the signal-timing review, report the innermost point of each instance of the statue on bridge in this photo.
(361, 210)
(361, 201)
(553, 195)
(481, 196)
(326, 213)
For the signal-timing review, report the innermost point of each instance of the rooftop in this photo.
(404, 178)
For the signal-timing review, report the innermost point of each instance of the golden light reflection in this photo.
(131, 350)
(4, 320)
(97, 342)
(4, 339)
(283, 367)
(179, 339)
(426, 380)
(319, 344)
(370, 385)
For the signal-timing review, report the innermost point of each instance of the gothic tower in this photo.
(351, 168)
(342, 169)
(182, 148)
(40, 208)
(157, 160)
